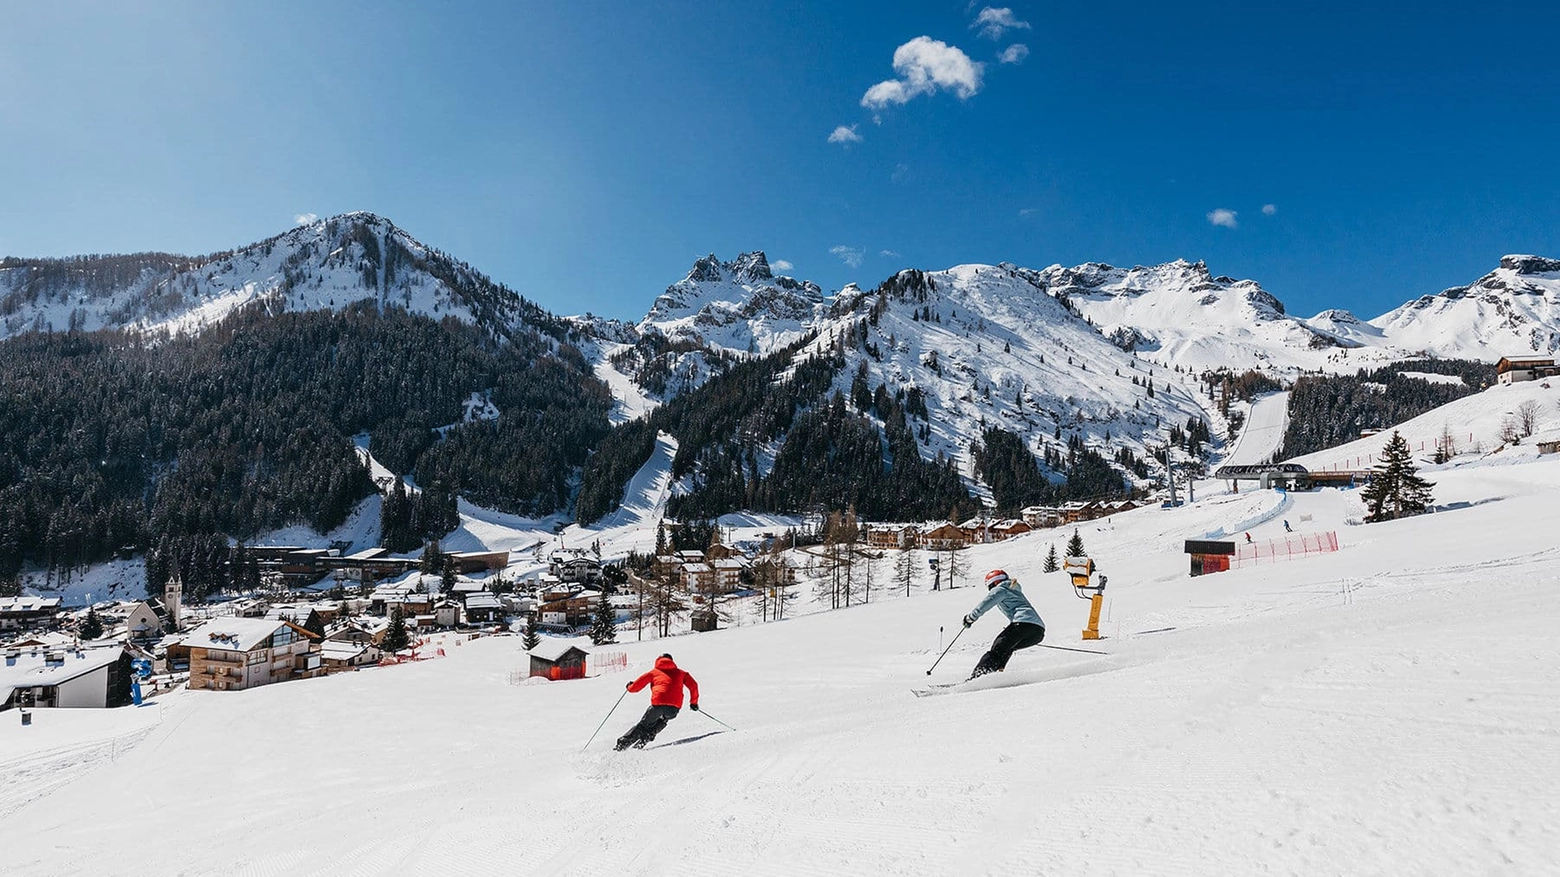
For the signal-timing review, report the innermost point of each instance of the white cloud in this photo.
(1222, 217)
(1027, 211)
(1013, 54)
(305, 219)
(888, 254)
(924, 66)
(849, 255)
(845, 135)
(781, 265)
(1269, 209)
(993, 23)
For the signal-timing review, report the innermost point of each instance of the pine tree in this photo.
(533, 635)
(1395, 489)
(447, 579)
(91, 626)
(1051, 563)
(432, 560)
(1075, 545)
(603, 624)
(396, 638)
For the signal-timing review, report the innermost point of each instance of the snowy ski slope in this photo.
(1389, 709)
(1263, 433)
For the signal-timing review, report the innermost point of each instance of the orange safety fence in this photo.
(1291, 547)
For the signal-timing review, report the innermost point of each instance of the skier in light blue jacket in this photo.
(1024, 630)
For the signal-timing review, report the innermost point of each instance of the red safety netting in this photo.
(1288, 548)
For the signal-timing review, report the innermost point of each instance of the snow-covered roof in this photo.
(482, 600)
(729, 563)
(696, 568)
(28, 604)
(340, 650)
(52, 638)
(32, 669)
(234, 634)
(553, 648)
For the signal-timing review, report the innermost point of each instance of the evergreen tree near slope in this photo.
(396, 637)
(533, 636)
(1395, 489)
(603, 624)
(1051, 564)
(1075, 545)
(447, 579)
(91, 626)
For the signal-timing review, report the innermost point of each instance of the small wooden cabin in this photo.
(555, 659)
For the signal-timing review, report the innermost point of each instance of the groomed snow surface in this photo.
(1388, 709)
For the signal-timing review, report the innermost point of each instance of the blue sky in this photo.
(586, 153)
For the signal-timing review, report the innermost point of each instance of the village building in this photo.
(367, 630)
(1040, 516)
(890, 536)
(1007, 529)
(720, 552)
(27, 613)
(64, 678)
(306, 617)
(1511, 370)
(579, 568)
(557, 659)
(697, 577)
(47, 639)
(728, 573)
(569, 609)
(477, 561)
(229, 654)
(944, 537)
(339, 657)
(483, 608)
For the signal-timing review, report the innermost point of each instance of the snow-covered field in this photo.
(1389, 709)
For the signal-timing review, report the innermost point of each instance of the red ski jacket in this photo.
(666, 683)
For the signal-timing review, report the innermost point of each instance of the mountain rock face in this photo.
(327, 265)
(1178, 312)
(738, 305)
(1513, 310)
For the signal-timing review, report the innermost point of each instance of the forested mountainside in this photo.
(771, 433)
(1329, 410)
(111, 440)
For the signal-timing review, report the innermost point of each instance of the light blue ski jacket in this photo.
(1011, 600)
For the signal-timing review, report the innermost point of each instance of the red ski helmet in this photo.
(994, 578)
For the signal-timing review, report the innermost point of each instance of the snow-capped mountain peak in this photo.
(739, 305)
(1514, 309)
(328, 264)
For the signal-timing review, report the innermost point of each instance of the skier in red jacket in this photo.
(666, 683)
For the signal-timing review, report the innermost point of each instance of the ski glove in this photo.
(969, 620)
(694, 707)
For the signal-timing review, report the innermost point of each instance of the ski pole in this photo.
(1071, 649)
(604, 721)
(945, 651)
(713, 719)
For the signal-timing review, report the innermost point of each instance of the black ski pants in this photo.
(653, 722)
(1018, 635)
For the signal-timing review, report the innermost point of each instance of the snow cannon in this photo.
(1087, 587)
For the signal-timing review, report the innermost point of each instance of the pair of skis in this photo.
(947, 687)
